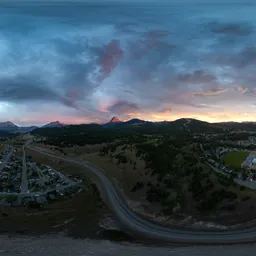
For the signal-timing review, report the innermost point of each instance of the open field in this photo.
(124, 173)
(235, 159)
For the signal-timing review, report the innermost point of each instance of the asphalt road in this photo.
(24, 178)
(137, 226)
(52, 245)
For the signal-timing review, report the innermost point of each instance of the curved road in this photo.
(137, 226)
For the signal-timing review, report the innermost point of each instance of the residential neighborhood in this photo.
(23, 181)
(243, 175)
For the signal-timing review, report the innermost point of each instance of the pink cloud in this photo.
(111, 56)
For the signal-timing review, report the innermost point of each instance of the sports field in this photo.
(234, 159)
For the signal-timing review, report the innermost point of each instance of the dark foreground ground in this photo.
(64, 246)
(82, 216)
(82, 225)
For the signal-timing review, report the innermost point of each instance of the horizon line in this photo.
(123, 121)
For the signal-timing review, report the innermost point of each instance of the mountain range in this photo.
(11, 127)
(115, 122)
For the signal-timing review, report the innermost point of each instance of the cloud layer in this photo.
(87, 62)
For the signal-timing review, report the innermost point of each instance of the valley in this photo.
(166, 170)
(177, 173)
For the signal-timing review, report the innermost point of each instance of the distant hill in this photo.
(117, 123)
(182, 124)
(179, 125)
(27, 128)
(192, 125)
(138, 125)
(248, 126)
(135, 121)
(95, 134)
(55, 124)
(11, 127)
(8, 126)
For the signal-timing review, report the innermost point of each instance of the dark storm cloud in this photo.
(235, 29)
(238, 59)
(88, 57)
(123, 107)
(75, 78)
(197, 77)
(31, 88)
(142, 48)
(25, 88)
(146, 60)
(246, 57)
(76, 69)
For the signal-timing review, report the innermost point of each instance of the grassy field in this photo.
(77, 216)
(235, 159)
(125, 174)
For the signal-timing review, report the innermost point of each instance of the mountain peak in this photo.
(7, 124)
(53, 124)
(115, 120)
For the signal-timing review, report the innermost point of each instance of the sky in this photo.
(86, 62)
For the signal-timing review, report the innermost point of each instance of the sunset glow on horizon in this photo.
(85, 63)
